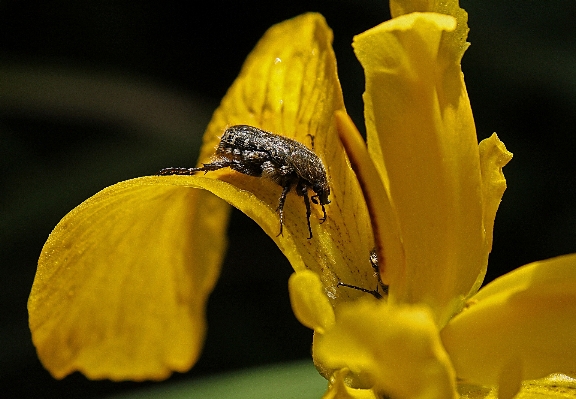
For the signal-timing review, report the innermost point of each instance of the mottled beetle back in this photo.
(255, 152)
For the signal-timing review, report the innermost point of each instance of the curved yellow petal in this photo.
(422, 139)
(455, 41)
(520, 326)
(309, 302)
(123, 279)
(289, 86)
(388, 243)
(395, 351)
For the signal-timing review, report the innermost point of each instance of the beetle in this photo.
(256, 152)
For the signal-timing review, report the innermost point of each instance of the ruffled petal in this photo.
(520, 326)
(493, 156)
(394, 351)
(123, 279)
(422, 139)
(289, 86)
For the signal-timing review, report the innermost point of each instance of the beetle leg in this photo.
(178, 171)
(207, 167)
(375, 293)
(323, 219)
(308, 211)
(374, 262)
(280, 209)
(315, 200)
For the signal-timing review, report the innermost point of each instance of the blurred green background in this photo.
(95, 92)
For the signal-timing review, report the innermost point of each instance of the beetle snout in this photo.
(324, 198)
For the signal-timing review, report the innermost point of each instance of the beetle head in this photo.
(322, 193)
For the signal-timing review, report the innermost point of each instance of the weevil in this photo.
(255, 152)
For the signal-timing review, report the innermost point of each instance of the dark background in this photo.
(95, 92)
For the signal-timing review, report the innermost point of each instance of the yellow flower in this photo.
(433, 219)
(123, 279)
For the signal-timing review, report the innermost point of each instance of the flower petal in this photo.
(422, 139)
(393, 350)
(123, 279)
(386, 230)
(520, 326)
(493, 156)
(455, 41)
(289, 86)
(309, 302)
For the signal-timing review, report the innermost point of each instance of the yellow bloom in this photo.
(433, 219)
(123, 279)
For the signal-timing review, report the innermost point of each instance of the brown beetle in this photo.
(255, 152)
